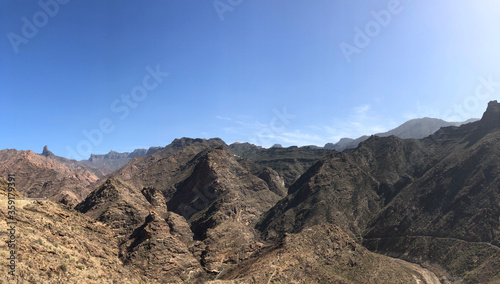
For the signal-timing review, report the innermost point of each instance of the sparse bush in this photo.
(63, 267)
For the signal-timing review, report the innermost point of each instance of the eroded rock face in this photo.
(149, 237)
(221, 200)
(208, 218)
(39, 176)
(159, 254)
(154, 196)
(346, 189)
(55, 244)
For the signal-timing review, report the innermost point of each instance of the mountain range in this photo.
(420, 208)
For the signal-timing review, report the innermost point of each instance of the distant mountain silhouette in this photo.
(112, 161)
(415, 128)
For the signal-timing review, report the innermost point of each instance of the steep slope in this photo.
(221, 201)
(40, 176)
(346, 189)
(324, 254)
(411, 195)
(166, 167)
(455, 205)
(4, 189)
(116, 204)
(55, 244)
(149, 237)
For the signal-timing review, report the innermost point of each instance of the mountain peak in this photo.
(46, 152)
(491, 117)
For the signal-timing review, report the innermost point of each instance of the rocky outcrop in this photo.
(158, 253)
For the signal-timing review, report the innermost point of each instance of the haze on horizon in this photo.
(90, 76)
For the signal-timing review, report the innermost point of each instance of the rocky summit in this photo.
(391, 210)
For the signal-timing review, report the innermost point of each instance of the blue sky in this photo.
(284, 71)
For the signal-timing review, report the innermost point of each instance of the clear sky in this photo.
(90, 76)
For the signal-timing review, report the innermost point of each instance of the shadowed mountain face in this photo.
(40, 176)
(148, 236)
(290, 163)
(221, 201)
(206, 227)
(347, 189)
(213, 203)
(408, 196)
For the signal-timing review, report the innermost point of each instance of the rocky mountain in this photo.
(166, 167)
(454, 205)
(40, 176)
(55, 244)
(113, 160)
(221, 201)
(190, 207)
(101, 165)
(199, 222)
(324, 254)
(434, 200)
(346, 189)
(148, 237)
(200, 211)
(412, 129)
(72, 164)
(290, 163)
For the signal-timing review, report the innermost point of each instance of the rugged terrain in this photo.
(183, 214)
(434, 200)
(40, 176)
(325, 254)
(55, 244)
(199, 211)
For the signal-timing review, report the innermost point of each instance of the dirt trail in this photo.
(423, 276)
